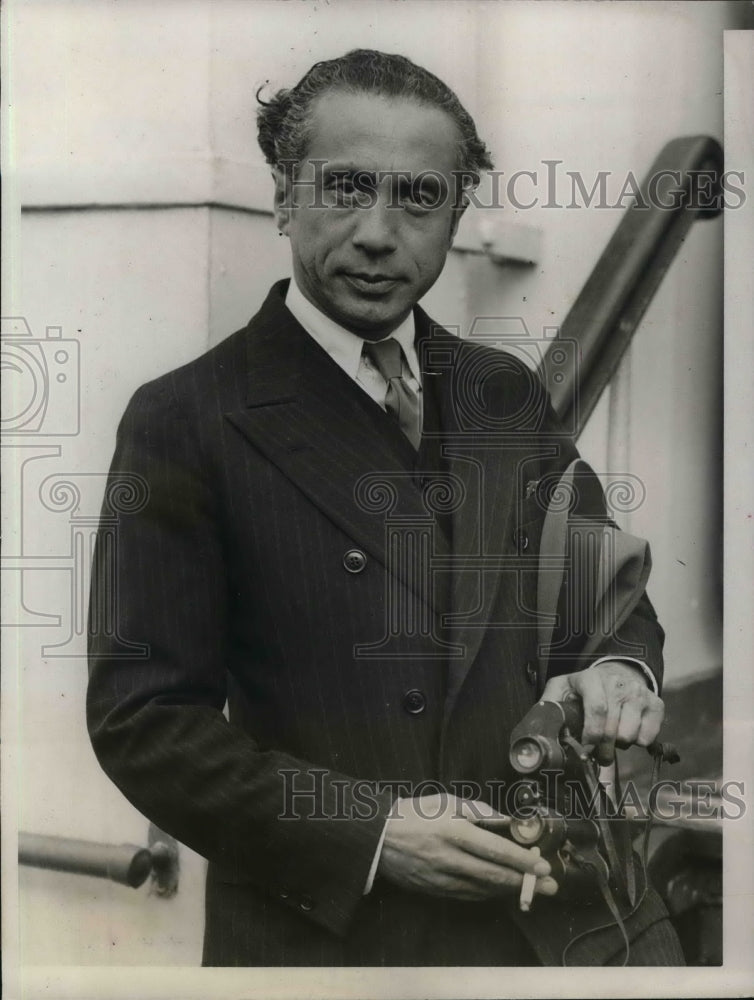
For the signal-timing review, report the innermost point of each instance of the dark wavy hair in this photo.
(284, 122)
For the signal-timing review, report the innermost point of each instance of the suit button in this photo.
(414, 701)
(284, 894)
(354, 560)
(306, 904)
(520, 540)
(531, 673)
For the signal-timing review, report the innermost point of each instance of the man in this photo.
(296, 556)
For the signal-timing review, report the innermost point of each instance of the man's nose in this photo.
(375, 228)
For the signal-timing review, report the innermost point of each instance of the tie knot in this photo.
(387, 356)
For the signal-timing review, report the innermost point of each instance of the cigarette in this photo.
(527, 887)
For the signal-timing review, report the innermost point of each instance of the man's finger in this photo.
(496, 824)
(479, 812)
(547, 886)
(595, 714)
(483, 815)
(630, 722)
(491, 847)
(611, 722)
(469, 871)
(557, 688)
(651, 721)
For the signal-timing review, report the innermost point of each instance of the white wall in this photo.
(132, 119)
(125, 285)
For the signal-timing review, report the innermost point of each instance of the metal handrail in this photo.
(123, 863)
(616, 294)
(126, 864)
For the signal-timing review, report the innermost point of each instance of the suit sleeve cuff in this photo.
(640, 664)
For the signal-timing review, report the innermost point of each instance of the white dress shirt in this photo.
(345, 348)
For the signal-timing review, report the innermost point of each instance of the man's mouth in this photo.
(372, 283)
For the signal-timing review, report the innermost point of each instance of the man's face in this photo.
(370, 227)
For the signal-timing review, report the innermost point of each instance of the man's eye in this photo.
(341, 187)
(347, 187)
(421, 198)
(427, 197)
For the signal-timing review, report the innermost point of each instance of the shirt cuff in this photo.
(375, 861)
(650, 677)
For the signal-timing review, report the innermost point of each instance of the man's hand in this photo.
(619, 708)
(434, 845)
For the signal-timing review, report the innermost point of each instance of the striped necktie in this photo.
(401, 401)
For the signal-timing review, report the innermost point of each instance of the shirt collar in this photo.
(343, 346)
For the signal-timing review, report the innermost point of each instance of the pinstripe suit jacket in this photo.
(265, 466)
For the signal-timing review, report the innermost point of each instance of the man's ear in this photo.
(283, 199)
(456, 216)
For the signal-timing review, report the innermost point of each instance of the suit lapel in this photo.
(325, 434)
